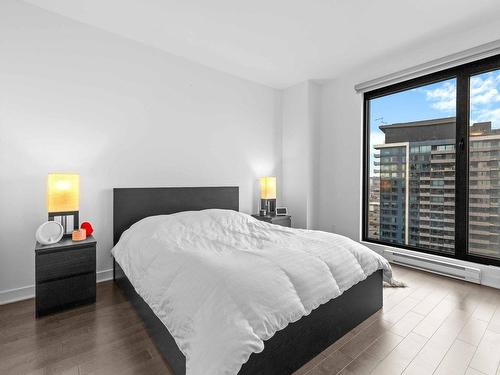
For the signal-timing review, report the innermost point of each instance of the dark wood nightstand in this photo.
(65, 275)
(284, 221)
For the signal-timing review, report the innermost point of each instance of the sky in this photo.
(436, 101)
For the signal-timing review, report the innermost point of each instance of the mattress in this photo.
(223, 282)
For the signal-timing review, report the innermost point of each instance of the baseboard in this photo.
(105, 275)
(18, 294)
(27, 292)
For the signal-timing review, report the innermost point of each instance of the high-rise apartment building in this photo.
(374, 208)
(416, 172)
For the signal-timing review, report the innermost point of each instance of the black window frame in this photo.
(462, 74)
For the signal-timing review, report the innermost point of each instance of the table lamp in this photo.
(63, 198)
(268, 194)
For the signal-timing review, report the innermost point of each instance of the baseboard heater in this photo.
(436, 266)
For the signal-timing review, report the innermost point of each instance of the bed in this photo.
(288, 348)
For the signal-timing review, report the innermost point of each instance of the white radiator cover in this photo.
(440, 267)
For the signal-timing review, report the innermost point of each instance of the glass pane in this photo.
(412, 167)
(484, 165)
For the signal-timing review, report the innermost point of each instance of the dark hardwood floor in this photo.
(105, 338)
(437, 325)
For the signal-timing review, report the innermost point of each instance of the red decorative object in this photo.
(88, 227)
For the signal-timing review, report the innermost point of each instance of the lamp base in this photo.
(64, 220)
(269, 205)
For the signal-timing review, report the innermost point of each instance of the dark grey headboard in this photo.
(133, 204)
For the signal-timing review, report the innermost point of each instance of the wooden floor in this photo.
(436, 326)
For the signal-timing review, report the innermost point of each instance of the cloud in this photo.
(485, 98)
(443, 98)
(484, 89)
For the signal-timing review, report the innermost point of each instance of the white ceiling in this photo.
(278, 42)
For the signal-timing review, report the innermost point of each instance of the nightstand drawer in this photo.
(59, 264)
(73, 291)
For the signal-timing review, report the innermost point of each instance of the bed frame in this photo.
(289, 348)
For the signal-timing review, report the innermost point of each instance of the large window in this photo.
(484, 164)
(432, 163)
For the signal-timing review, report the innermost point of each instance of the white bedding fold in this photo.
(223, 282)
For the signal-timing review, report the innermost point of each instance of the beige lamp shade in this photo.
(268, 188)
(63, 192)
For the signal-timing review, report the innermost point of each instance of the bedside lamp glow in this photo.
(268, 188)
(268, 194)
(63, 192)
(63, 197)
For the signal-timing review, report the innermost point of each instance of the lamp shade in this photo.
(63, 192)
(268, 188)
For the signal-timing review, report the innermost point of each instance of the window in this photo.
(410, 124)
(484, 158)
(432, 163)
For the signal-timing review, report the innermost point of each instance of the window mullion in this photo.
(462, 167)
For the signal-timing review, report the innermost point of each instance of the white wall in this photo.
(300, 152)
(75, 98)
(340, 159)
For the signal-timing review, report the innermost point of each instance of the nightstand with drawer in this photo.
(65, 275)
(284, 221)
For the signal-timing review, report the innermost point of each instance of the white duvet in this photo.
(223, 282)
